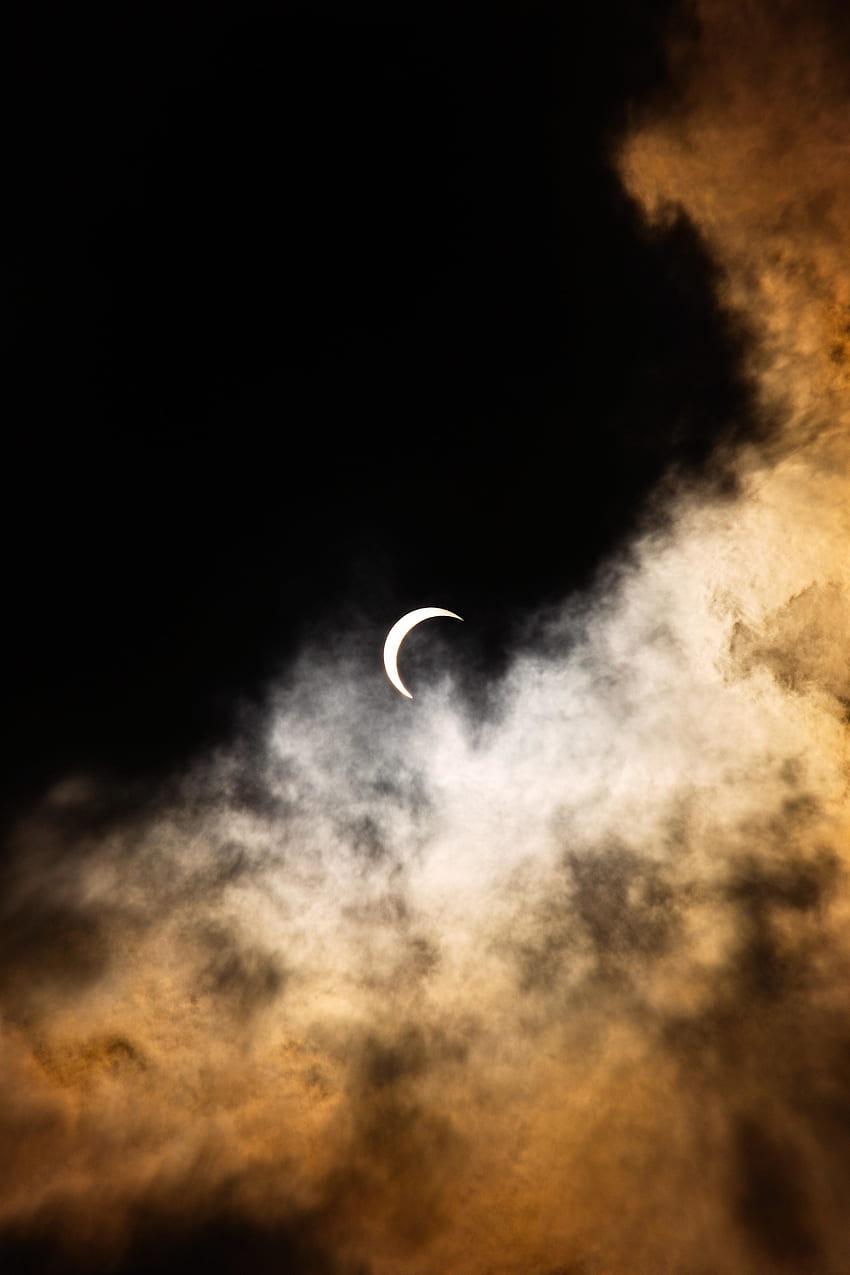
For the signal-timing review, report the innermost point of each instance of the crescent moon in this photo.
(399, 632)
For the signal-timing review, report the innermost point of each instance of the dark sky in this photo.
(322, 313)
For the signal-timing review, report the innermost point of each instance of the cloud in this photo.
(400, 987)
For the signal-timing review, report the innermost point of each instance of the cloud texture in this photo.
(398, 988)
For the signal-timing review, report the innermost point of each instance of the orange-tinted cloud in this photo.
(562, 990)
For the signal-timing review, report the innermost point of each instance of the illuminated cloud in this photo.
(395, 989)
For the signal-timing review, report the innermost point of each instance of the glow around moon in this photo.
(399, 632)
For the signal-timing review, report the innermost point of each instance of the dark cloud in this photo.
(772, 1196)
(50, 949)
(219, 1242)
(240, 976)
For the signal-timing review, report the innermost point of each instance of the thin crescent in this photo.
(399, 632)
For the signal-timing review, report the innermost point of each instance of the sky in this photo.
(537, 314)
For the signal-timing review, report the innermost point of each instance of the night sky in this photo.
(321, 313)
